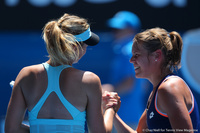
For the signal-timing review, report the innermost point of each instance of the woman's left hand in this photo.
(111, 100)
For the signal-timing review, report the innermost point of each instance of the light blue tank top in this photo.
(76, 125)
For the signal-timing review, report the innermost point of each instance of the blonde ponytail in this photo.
(61, 45)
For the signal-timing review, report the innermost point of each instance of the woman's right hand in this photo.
(111, 100)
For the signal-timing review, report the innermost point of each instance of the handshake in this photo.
(110, 100)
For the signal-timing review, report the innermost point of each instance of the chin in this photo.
(137, 75)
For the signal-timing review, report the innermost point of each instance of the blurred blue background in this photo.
(22, 21)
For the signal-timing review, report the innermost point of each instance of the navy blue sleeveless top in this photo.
(159, 122)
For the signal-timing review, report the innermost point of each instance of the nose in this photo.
(132, 60)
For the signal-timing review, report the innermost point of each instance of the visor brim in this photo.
(93, 40)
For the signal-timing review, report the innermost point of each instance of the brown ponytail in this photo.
(176, 51)
(170, 44)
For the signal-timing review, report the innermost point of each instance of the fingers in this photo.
(106, 93)
(111, 100)
(110, 94)
(111, 104)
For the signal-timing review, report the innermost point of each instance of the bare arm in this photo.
(16, 109)
(171, 101)
(108, 101)
(108, 119)
(142, 125)
(121, 126)
(95, 119)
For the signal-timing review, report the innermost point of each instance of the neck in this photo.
(52, 64)
(56, 64)
(156, 78)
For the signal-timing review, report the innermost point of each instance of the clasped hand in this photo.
(111, 100)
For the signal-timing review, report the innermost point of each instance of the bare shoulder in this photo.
(172, 86)
(174, 99)
(86, 77)
(27, 76)
(31, 69)
(90, 77)
(29, 73)
(91, 83)
(171, 94)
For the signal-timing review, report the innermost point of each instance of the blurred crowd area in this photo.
(19, 49)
